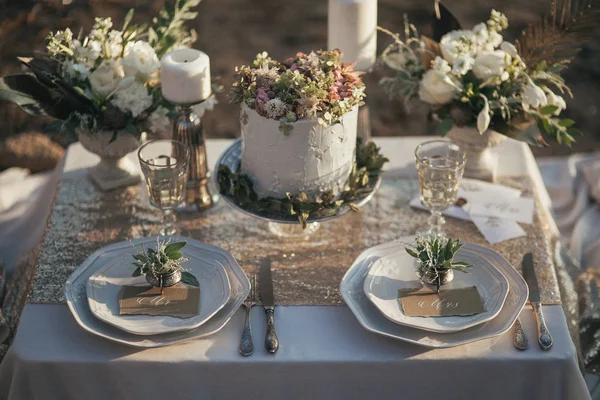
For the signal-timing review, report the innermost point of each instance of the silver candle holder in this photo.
(188, 129)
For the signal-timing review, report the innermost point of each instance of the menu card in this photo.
(181, 300)
(425, 302)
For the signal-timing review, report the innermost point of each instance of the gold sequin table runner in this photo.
(305, 272)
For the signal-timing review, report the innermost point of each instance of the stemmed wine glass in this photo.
(165, 166)
(440, 165)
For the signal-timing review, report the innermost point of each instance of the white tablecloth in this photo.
(324, 353)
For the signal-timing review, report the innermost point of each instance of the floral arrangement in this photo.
(107, 80)
(166, 258)
(476, 78)
(316, 85)
(435, 256)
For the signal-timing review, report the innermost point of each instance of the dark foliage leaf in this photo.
(559, 35)
(443, 21)
(190, 279)
(29, 94)
(137, 272)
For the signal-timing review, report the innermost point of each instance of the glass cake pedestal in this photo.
(286, 226)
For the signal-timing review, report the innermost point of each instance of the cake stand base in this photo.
(293, 230)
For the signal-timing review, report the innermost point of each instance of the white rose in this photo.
(555, 100)
(491, 64)
(481, 33)
(533, 96)
(106, 77)
(462, 65)
(437, 88)
(140, 57)
(458, 43)
(134, 99)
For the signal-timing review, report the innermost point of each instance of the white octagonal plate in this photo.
(104, 285)
(75, 295)
(370, 318)
(398, 271)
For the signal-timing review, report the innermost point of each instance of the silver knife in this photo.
(268, 301)
(544, 337)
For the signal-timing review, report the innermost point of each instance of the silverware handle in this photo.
(544, 337)
(247, 344)
(271, 340)
(520, 339)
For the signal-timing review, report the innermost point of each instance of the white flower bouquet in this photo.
(476, 78)
(107, 80)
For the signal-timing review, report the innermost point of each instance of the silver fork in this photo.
(246, 344)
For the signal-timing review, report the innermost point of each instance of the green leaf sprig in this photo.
(164, 259)
(436, 255)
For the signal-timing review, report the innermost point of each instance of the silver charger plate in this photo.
(75, 294)
(232, 157)
(396, 271)
(103, 288)
(370, 318)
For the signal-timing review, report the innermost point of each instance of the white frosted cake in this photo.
(310, 158)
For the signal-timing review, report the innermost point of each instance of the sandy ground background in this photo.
(232, 32)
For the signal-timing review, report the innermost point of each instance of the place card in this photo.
(519, 209)
(425, 302)
(181, 300)
(496, 230)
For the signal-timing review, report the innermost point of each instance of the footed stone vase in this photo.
(114, 169)
(481, 163)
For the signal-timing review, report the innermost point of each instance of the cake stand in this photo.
(279, 223)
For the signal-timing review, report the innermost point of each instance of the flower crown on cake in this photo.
(313, 86)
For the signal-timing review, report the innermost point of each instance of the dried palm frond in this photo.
(558, 37)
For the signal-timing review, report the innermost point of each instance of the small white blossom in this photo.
(533, 96)
(89, 53)
(100, 29)
(484, 119)
(134, 99)
(441, 65)
(106, 77)
(555, 100)
(159, 122)
(75, 70)
(481, 33)
(497, 21)
(206, 105)
(462, 65)
(140, 57)
(495, 40)
(275, 108)
(458, 43)
(114, 43)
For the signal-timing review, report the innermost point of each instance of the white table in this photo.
(324, 353)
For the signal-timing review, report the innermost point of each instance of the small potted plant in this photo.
(162, 266)
(435, 258)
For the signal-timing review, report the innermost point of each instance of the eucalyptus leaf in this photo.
(137, 272)
(174, 246)
(174, 255)
(189, 278)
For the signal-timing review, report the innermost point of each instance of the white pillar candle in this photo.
(352, 28)
(185, 76)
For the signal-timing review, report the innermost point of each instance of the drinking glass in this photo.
(440, 165)
(165, 165)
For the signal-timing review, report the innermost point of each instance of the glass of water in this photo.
(165, 165)
(440, 165)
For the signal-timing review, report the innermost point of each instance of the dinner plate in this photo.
(75, 295)
(370, 318)
(104, 285)
(397, 270)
